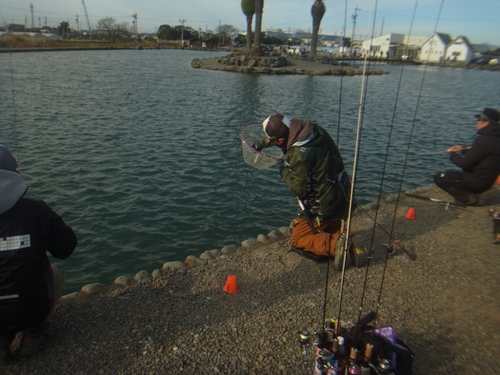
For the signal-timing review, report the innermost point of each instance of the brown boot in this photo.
(34, 340)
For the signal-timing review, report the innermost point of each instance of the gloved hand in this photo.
(283, 166)
(254, 146)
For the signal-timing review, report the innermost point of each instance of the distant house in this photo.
(459, 50)
(384, 46)
(393, 46)
(434, 48)
(331, 40)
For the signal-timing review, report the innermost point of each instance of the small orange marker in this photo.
(231, 285)
(410, 214)
(498, 180)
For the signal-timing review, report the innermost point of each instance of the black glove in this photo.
(254, 146)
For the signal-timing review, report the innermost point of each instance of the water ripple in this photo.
(140, 153)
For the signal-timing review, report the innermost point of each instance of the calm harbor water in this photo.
(139, 152)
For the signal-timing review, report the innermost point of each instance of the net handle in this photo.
(250, 146)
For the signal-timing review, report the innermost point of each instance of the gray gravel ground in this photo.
(444, 304)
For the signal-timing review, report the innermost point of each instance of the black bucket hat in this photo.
(490, 114)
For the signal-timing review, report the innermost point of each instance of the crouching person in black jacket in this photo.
(29, 285)
(480, 163)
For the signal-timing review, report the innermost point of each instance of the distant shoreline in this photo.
(458, 65)
(59, 49)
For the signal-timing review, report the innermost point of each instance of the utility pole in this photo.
(354, 17)
(182, 32)
(136, 28)
(78, 24)
(218, 37)
(32, 16)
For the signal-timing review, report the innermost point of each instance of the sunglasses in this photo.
(483, 119)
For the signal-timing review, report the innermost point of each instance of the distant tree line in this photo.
(253, 40)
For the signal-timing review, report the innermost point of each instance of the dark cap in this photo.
(7, 161)
(276, 126)
(492, 115)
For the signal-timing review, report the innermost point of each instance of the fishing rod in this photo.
(391, 237)
(447, 203)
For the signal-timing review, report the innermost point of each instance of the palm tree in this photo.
(259, 9)
(318, 10)
(248, 8)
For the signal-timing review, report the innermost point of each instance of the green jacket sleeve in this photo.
(296, 175)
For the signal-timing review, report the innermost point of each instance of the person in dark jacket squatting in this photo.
(29, 285)
(315, 174)
(480, 163)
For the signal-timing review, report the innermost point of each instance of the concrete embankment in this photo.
(443, 304)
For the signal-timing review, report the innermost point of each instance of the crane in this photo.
(86, 15)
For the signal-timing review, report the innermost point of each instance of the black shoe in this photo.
(309, 255)
(6, 339)
(471, 200)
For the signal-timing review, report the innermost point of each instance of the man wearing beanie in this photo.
(29, 285)
(315, 174)
(480, 163)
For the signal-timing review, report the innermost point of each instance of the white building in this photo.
(434, 48)
(394, 46)
(459, 50)
(383, 46)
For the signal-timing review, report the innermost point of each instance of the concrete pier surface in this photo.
(443, 304)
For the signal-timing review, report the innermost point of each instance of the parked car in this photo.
(481, 60)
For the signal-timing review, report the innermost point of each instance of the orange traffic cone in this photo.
(410, 214)
(230, 286)
(498, 180)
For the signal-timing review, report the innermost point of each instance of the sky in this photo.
(478, 20)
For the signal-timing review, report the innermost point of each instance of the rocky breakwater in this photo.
(191, 261)
(279, 65)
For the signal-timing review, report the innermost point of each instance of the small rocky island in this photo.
(243, 63)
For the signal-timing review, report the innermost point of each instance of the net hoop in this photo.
(250, 133)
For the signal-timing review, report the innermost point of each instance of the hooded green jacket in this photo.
(316, 173)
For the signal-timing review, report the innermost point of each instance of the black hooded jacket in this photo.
(481, 163)
(28, 229)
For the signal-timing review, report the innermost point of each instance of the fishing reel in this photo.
(304, 340)
(390, 249)
(495, 215)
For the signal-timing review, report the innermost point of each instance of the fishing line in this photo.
(14, 122)
(419, 97)
(339, 113)
(341, 78)
(382, 181)
(357, 144)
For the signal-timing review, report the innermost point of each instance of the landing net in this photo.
(251, 133)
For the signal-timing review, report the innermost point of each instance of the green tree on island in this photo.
(318, 10)
(248, 7)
